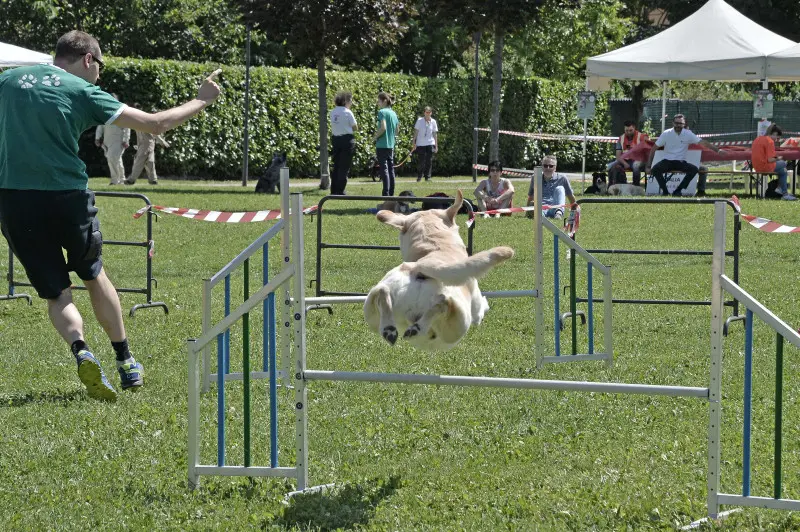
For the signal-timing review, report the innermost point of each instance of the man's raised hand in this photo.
(209, 90)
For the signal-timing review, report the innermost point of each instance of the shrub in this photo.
(283, 117)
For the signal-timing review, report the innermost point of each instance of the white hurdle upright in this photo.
(541, 222)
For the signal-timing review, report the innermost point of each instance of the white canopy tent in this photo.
(714, 43)
(11, 56)
(784, 65)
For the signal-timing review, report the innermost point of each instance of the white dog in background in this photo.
(433, 296)
(621, 189)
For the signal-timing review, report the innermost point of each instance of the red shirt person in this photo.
(616, 168)
(765, 159)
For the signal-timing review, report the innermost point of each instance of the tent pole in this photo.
(583, 162)
(663, 105)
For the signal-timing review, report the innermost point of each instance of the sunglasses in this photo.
(100, 64)
(548, 166)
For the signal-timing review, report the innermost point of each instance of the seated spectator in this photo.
(675, 143)
(765, 159)
(617, 168)
(556, 190)
(497, 192)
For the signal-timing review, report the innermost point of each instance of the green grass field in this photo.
(404, 457)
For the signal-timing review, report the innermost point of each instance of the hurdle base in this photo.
(329, 308)
(609, 359)
(150, 304)
(759, 502)
(700, 522)
(17, 296)
(312, 489)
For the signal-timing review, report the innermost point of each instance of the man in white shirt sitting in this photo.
(675, 142)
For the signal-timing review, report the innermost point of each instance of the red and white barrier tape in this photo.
(598, 138)
(220, 216)
(763, 224)
(519, 172)
(553, 136)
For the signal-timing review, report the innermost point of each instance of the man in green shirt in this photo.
(388, 127)
(45, 205)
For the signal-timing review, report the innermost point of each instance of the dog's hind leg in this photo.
(421, 325)
(378, 313)
(443, 318)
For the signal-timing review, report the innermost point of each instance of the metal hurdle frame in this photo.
(147, 244)
(721, 285)
(323, 298)
(737, 225)
(541, 222)
(269, 313)
(291, 226)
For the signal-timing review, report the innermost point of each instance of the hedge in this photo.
(284, 118)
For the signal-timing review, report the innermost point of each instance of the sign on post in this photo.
(586, 103)
(762, 103)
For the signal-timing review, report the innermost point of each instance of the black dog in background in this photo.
(270, 180)
(598, 179)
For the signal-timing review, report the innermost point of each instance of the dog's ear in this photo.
(456, 206)
(392, 218)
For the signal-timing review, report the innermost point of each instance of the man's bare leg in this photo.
(65, 317)
(107, 308)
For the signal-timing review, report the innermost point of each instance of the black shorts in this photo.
(39, 225)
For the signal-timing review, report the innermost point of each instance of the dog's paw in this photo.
(411, 331)
(390, 334)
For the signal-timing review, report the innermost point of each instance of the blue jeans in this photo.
(780, 169)
(386, 162)
(559, 198)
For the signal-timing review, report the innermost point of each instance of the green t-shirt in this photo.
(387, 139)
(43, 111)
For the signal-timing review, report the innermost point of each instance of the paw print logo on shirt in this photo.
(27, 81)
(53, 80)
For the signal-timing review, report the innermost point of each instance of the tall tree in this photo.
(318, 30)
(500, 18)
(187, 30)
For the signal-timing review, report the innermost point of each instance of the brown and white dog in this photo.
(433, 296)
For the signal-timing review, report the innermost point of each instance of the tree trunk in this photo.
(497, 79)
(325, 179)
(637, 102)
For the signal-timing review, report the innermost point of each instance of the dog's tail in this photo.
(458, 273)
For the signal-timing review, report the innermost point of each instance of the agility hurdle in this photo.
(291, 227)
(575, 250)
(293, 272)
(721, 285)
(148, 245)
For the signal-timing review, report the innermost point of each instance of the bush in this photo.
(283, 117)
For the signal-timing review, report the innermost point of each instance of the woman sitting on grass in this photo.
(496, 192)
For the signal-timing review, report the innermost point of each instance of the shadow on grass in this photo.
(339, 508)
(14, 400)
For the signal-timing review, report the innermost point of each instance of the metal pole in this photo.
(246, 365)
(778, 413)
(476, 39)
(246, 147)
(715, 372)
(748, 402)
(663, 104)
(538, 268)
(583, 158)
